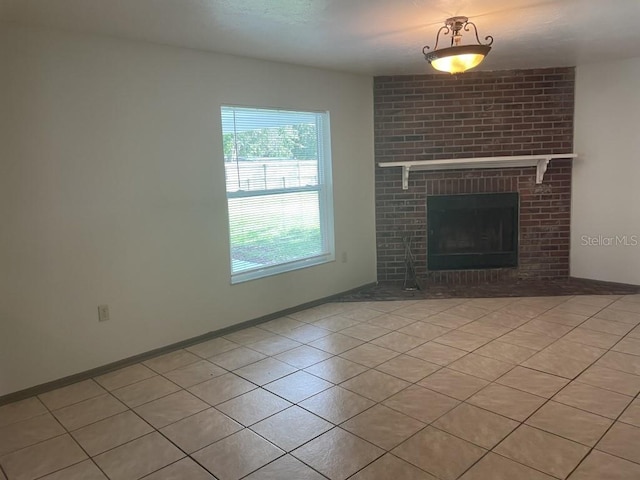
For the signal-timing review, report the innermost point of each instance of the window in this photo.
(278, 180)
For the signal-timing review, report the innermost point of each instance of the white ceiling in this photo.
(373, 37)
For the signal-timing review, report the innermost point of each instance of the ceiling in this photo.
(374, 37)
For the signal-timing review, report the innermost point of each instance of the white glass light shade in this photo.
(457, 59)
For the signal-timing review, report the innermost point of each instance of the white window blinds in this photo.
(278, 181)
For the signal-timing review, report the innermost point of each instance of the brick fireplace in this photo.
(479, 114)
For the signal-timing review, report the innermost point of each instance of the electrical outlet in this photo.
(344, 257)
(103, 313)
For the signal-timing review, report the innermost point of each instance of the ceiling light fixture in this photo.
(457, 58)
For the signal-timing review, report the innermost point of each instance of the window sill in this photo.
(269, 271)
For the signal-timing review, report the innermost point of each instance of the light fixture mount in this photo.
(457, 58)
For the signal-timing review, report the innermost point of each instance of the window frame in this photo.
(324, 189)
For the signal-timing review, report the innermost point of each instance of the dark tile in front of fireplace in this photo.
(519, 288)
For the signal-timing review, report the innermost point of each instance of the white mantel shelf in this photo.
(541, 162)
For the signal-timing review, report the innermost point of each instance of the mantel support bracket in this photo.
(405, 176)
(543, 164)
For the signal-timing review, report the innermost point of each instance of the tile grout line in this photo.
(533, 413)
(397, 354)
(549, 400)
(591, 449)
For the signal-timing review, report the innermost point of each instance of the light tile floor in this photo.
(472, 389)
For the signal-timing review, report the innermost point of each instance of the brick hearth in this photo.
(478, 114)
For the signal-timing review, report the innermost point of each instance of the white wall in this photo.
(112, 191)
(606, 176)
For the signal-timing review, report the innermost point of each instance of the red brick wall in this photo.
(478, 114)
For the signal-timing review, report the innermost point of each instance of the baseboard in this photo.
(94, 372)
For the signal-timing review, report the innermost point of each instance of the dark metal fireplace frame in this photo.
(453, 214)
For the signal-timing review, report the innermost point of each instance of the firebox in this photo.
(472, 231)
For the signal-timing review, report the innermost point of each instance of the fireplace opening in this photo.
(472, 231)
